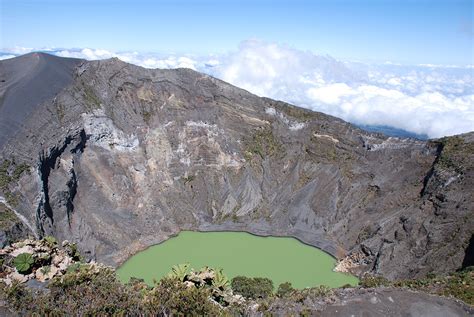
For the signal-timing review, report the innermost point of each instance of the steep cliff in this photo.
(123, 157)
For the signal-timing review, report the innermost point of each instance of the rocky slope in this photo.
(122, 157)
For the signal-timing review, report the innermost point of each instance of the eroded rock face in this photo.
(125, 157)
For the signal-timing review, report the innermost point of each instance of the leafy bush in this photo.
(50, 241)
(23, 262)
(73, 252)
(220, 280)
(172, 297)
(254, 288)
(369, 281)
(284, 289)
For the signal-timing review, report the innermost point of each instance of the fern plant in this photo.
(220, 280)
(179, 271)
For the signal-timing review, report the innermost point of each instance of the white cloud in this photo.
(330, 94)
(436, 100)
(2, 57)
(144, 60)
(18, 50)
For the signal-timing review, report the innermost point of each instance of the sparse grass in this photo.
(458, 284)
(365, 233)
(60, 110)
(323, 150)
(10, 173)
(5, 177)
(188, 179)
(92, 101)
(295, 112)
(369, 281)
(455, 154)
(262, 144)
(147, 115)
(7, 218)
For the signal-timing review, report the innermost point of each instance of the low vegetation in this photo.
(10, 173)
(459, 285)
(253, 288)
(262, 144)
(91, 289)
(92, 101)
(7, 218)
(23, 262)
(455, 154)
(295, 112)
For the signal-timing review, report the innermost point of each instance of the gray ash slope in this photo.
(123, 157)
(25, 82)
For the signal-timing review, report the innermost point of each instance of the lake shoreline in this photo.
(276, 253)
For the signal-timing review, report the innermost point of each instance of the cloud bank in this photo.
(436, 100)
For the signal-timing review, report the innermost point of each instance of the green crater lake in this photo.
(238, 253)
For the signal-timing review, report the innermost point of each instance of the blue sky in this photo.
(405, 31)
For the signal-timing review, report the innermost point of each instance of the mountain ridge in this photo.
(124, 157)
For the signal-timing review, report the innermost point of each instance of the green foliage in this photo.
(254, 288)
(11, 198)
(284, 289)
(73, 252)
(179, 272)
(7, 218)
(301, 295)
(369, 281)
(16, 295)
(263, 143)
(220, 280)
(147, 116)
(11, 172)
(176, 299)
(93, 291)
(319, 291)
(92, 101)
(23, 262)
(46, 269)
(19, 170)
(50, 241)
(455, 153)
(459, 285)
(5, 178)
(188, 179)
(76, 267)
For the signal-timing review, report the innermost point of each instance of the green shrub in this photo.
(172, 297)
(254, 288)
(220, 281)
(73, 252)
(50, 241)
(369, 281)
(284, 289)
(23, 262)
